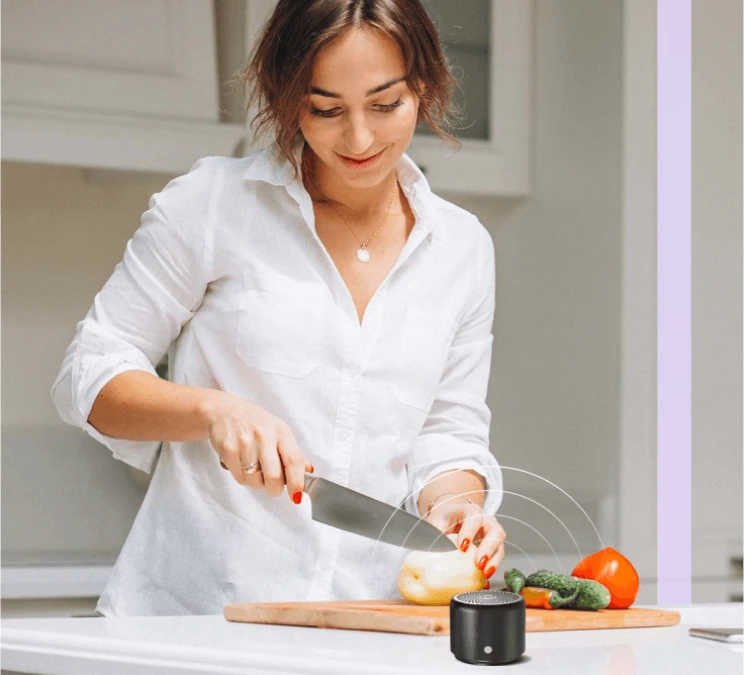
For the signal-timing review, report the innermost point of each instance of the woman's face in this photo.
(359, 108)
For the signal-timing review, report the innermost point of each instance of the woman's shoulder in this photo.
(212, 165)
(210, 175)
(459, 227)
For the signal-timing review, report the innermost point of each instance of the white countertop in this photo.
(210, 644)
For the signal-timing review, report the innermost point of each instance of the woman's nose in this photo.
(358, 137)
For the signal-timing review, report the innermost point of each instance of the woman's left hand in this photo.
(473, 528)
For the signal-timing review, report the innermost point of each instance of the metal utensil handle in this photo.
(309, 482)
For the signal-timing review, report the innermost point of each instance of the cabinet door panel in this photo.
(490, 47)
(150, 58)
(464, 32)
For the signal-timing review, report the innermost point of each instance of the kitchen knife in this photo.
(340, 507)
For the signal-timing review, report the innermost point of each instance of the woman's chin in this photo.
(364, 178)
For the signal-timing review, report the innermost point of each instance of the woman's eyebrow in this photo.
(329, 94)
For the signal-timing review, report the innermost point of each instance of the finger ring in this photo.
(249, 469)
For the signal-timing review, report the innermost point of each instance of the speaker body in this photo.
(487, 627)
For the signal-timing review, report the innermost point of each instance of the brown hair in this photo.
(280, 68)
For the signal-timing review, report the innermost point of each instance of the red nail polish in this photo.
(297, 497)
(464, 545)
(482, 562)
(487, 587)
(312, 469)
(489, 572)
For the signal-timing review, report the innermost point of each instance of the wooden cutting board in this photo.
(399, 616)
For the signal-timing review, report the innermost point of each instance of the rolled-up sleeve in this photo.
(455, 435)
(151, 294)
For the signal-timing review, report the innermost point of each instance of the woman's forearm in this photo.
(140, 406)
(467, 483)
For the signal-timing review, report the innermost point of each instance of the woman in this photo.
(322, 311)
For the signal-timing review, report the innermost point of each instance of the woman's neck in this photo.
(323, 186)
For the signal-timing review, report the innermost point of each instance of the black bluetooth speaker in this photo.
(487, 627)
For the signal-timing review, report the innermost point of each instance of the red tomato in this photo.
(613, 571)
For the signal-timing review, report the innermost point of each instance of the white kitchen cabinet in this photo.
(490, 44)
(52, 590)
(107, 84)
(137, 86)
(48, 608)
(54, 582)
(152, 58)
(716, 566)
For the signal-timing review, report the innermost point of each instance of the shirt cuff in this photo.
(444, 453)
(139, 454)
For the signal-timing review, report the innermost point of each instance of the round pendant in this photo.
(363, 255)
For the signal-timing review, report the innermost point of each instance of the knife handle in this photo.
(310, 480)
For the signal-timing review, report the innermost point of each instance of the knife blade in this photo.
(341, 507)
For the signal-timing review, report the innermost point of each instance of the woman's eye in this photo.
(324, 113)
(334, 112)
(390, 106)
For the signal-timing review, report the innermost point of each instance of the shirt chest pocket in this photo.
(281, 330)
(422, 357)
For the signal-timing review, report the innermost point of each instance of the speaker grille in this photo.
(487, 598)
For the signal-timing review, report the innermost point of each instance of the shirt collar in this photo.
(271, 167)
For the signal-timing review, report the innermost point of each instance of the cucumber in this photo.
(566, 587)
(514, 580)
(592, 595)
(577, 593)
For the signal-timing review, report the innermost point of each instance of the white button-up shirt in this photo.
(227, 275)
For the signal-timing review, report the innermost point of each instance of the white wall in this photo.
(636, 477)
(63, 497)
(716, 285)
(554, 390)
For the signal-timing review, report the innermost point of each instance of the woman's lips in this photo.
(360, 164)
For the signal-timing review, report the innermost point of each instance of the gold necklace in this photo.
(362, 252)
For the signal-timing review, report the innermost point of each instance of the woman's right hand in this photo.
(242, 433)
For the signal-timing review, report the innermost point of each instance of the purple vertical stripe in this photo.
(674, 312)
